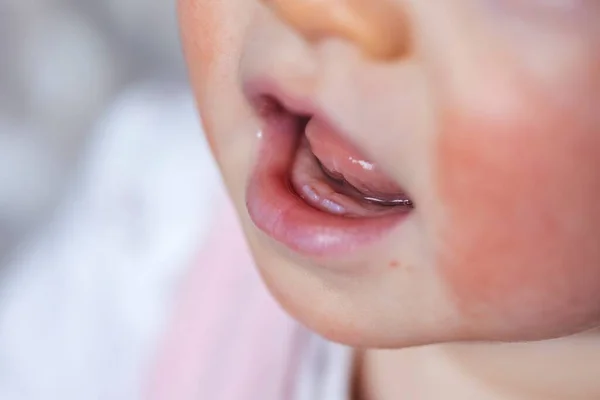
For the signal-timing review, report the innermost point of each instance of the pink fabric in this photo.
(228, 339)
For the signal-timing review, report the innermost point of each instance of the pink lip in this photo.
(277, 210)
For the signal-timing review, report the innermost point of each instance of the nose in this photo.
(378, 27)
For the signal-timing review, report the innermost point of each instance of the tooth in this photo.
(333, 207)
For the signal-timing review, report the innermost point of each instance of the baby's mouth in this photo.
(314, 191)
(331, 175)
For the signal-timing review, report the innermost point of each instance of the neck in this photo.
(560, 369)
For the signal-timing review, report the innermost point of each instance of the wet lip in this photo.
(275, 208)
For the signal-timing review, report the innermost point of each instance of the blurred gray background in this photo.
(62, 63)
(107, 192)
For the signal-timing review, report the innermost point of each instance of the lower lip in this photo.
(278, 211)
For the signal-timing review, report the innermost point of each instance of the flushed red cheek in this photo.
(520, 246)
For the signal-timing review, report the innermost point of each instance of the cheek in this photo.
(521, 197)
(198, 27)
(202, 33)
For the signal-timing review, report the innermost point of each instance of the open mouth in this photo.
(312, 190)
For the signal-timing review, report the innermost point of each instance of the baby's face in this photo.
(411, 172)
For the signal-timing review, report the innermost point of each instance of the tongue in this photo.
(343, 160)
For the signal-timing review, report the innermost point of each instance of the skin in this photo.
(484, 113)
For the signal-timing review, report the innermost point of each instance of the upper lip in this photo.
(259, 90)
